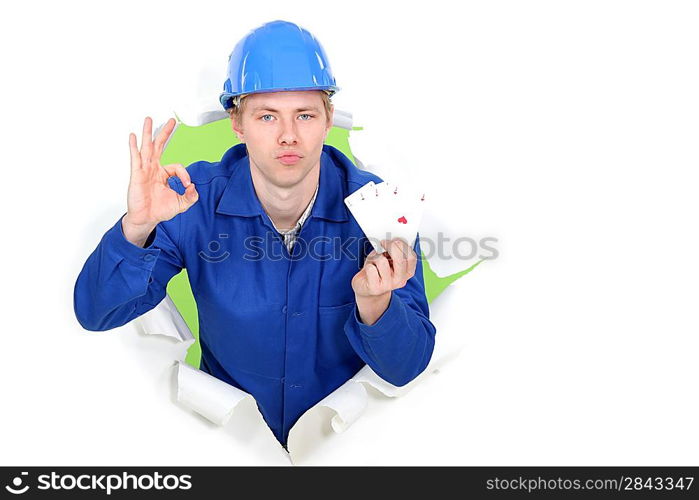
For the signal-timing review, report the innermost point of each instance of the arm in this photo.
(121, 281)
(399, 344)
(127, 274)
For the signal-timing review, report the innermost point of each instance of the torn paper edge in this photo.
(216, 400)
(165, 319)
(210, 397)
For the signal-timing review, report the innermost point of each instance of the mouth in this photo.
(289, 158)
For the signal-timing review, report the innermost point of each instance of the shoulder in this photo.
(211, 174)
(354, 176)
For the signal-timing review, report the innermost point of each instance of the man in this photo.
(291, 303)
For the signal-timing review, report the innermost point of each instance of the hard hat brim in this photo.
(226, 98)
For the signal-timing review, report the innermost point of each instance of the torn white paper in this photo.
(165, 319)
(216, 400)
(212, 398)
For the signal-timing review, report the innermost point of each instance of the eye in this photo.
(306, 114)
(262, 118)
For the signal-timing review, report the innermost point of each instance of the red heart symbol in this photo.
(403, 220)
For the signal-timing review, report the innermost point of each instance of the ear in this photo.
(329, 123)
(237, 129)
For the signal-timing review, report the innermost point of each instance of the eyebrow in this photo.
(266, 108)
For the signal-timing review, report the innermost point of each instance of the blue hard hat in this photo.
(277, 56)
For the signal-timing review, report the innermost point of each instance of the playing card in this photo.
(362, 205)
(386, 211)
(401, 208)
(359, 193)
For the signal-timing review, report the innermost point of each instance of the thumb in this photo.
(190, 195)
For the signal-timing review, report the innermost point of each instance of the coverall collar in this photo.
(239, 197)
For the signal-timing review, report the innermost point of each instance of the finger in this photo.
(162, 138)
(147, 141)
(398, 243)
(406, 252)
(373, 279)
(385, 272)
(397, 249)
(189, 198)
(388, 258)
(412, 263)
(135, 156)
(175, 169)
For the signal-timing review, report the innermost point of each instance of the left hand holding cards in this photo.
(389, 216)
(384, 272)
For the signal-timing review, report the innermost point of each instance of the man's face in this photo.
(276, 123)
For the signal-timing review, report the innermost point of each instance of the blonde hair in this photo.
(236, 112)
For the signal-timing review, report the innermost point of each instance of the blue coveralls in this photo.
(281, 326)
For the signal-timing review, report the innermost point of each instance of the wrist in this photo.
(136, 234)
(371, 307)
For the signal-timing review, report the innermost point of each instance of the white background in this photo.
(568, 130)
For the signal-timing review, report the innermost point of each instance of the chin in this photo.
(288, 175)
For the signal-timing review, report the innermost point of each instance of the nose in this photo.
(287, 134)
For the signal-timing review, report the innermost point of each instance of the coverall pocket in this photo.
(333, 348)
(332, 309)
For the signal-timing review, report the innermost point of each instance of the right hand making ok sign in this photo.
(150, 199)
